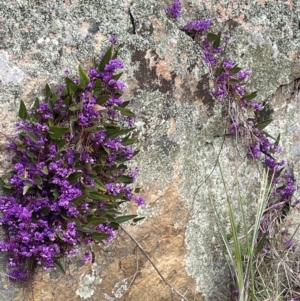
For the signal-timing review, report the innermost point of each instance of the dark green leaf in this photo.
(45, 170)
(102, 99)
(263, 124)
(98, 196)
(71, 86)
(37, 180)
(277, 140)
(83, 77)
(235, 70)
(45, 210)
(117, 76)
(23, 111)
(129, 141)
(99, 185)
(261, 244)
(217, 41)
(56, 132)
(137, 190)
(99, 236)
(125, 111)
(25, 188)
(74, 177)
(32, 137)
(113, 133)
(250, 96)
(61, 143)
(97, 86)
(135, 220)
(59, 266)
(36, 104)
(86, 229)
(219, 70)
(94, 220)
(211, 37)
(74, 107)
(106, 58)
(2, 183)
(234, 81)
(48, 92)
(125, 179)
(124, 218)
(125, 104)
(77, 201)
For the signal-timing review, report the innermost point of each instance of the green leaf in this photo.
(234, 81)
(217, 41)
(71, 86)
(129, 141)
(48, 92)
(115, 132)
(106, 58)
(261, 244)
(99, 185)
(86, 229)
(61, 143)
(74, 107)
(125, 179)
(117, 76)
(25, 188)
(2, 183)
(125, 104)
(250, 96)
(94, 220)
(97, 89)
(37, 180)
(32, 137)
(137, 190)
(263, 124)
(23, 111)
(77, 201)
(125, 111)
(74, 177)
(124, 218)
(235, 70)
(211, 37)
(59, 266)
(277, 140)
(102, 99)
(135, 220)
(99, 236)
(98, 196)
(36, 104)
(45, 170)
(56, 132)
(83, 77)
(45, 210)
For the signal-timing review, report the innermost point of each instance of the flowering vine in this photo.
(244, 121)
(69, 174)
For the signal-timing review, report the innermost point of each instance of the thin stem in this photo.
(153, 264)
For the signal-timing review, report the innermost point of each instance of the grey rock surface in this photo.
(179, 126)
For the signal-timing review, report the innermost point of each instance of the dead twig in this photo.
(153, 264)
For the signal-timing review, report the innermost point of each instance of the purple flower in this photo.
(113, 39)
(228, 64)
(88, 257)
(113, 65)
(139, 200)
(174, 9)
(197, 25)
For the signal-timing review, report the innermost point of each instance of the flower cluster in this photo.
(69, 172)
(174, 9)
